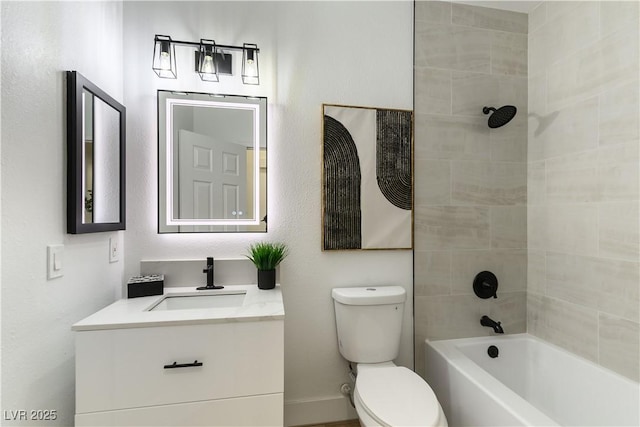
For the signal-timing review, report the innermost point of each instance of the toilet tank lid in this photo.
(370, 295)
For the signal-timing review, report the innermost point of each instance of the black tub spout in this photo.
(490, 323)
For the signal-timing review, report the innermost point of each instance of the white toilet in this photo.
(369, 322)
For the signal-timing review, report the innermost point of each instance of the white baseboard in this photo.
(317, 411)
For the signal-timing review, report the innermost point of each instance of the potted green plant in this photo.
(266, 256)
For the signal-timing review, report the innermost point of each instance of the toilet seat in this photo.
(397, 396)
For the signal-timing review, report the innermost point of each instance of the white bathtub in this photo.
(530, 383)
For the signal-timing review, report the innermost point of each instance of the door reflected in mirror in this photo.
(212, 163)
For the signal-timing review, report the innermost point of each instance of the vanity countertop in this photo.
(134, 312)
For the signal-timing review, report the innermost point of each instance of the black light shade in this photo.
(250, 73)
(164, 57)
(207, 63)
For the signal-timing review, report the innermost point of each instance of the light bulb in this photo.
(207, 65)
(250, 69)
(165, 61)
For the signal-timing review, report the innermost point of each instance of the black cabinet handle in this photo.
(182, 365)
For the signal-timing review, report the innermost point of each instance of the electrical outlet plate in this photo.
(114, 249)
(55, 261)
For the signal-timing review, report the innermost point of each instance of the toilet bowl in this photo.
(369, 324)
(389, 395)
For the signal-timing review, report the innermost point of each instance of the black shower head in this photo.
(501, 116)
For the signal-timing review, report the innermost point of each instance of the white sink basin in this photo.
(187, 302)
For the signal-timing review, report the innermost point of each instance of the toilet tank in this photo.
(369, 322)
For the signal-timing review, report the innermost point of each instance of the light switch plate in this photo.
(55, 261)
(114, 249)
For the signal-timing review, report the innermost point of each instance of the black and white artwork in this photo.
(367, 178)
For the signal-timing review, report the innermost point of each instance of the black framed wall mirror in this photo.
(96, 142)
(212, 163)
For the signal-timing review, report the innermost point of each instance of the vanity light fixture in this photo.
(250, 75)
(207, 65)
(164, 57)
(211, 59)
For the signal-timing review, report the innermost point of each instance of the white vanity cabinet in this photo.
(220, 372)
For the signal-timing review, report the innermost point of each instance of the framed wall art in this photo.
(367, 178)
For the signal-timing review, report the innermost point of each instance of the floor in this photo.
(347, 423)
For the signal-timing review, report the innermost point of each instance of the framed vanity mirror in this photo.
(96, 143)
(212, 163)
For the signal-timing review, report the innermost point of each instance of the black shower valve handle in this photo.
(485, 285)
(489, 287)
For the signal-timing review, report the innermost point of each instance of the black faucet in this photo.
(209, 272)
(489, 322)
